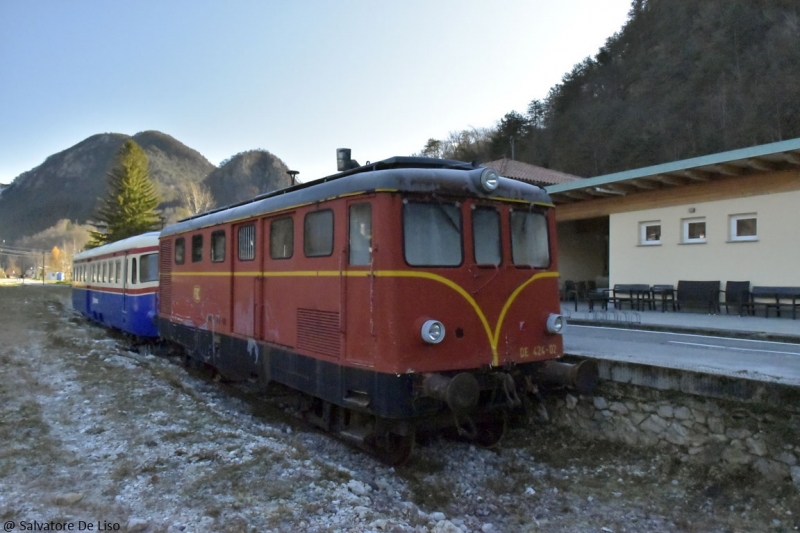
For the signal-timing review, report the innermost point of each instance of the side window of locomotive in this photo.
(361, 234)
(247, 243)
(281, 238)
(529, 240)
(486, 236)
(318, 234)
(180, 251)
(218, 247)
(148, 267)
(133, 271)
(432, 234)
(197, 248)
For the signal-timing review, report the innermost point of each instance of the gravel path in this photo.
(94, 434)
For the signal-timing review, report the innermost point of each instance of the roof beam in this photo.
(696, 175)
(792, 158)
(671, 180)
(760, 164)
(728, 170)
(645, 183)
(578, 195)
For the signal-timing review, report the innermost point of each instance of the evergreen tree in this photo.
(129, 208)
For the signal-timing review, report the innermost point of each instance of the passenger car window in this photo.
(318, 233)
(360, 234)
(148, 267)
(432, 234)
(281, 238)
(529, 240)
(486, 236)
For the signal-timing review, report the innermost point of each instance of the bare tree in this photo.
(197, 198)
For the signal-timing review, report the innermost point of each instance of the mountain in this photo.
(68, 184)
(681, 79)
(246, 175)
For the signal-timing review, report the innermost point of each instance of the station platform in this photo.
(781, 329)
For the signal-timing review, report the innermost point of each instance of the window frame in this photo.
(538, 212)
(499, 218)
(643, 226)
(197, 248)
(250, 246)
(180, 244)
(733, 227)
(457, 205)
(272, 224)
(318, 214)
(211, 252)
(686, 222)
(352, 260)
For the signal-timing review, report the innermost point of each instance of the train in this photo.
(397, 297)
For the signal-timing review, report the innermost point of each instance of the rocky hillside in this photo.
(246, 175)
(68, 184)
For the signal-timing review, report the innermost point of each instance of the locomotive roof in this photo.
(398, 174)
(131, 243)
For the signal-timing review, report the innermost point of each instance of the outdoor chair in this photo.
(736, 293)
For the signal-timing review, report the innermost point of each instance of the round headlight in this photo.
(432, 331)
(489, 180)
(556, 324)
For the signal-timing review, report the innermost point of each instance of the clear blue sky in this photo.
(297, 78)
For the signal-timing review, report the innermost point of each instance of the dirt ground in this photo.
(93, 434)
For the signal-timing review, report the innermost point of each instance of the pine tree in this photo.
(129, 208)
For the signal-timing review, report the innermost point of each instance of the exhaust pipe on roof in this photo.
(343, 160)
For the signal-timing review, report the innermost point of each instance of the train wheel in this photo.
(394, 449)
(491, 432)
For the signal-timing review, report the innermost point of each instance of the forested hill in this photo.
(683, 78)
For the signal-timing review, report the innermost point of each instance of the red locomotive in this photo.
(407, 294)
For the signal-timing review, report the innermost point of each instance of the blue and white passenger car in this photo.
(117, 284)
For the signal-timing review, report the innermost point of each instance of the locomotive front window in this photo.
(318, 234)
(281, 238)
(218, 247)
(197, 248)
(360, 234)
(148, 268)
(529, 241)
(247, 242)
(432, 234)
(486, 236)
(180, 251)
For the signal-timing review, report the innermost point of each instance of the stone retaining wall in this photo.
(763, 437)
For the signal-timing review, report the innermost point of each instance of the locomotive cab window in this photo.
(197, 248)
(281, 238)
(318, 234)
(148, 268)
(432, 234)
(247, 243)
(218, 247)
(486, 236)
(180, 251)
(529, 241)
(360, 234)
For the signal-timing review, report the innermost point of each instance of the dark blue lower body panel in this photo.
(133, 314)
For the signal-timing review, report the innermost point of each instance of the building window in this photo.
(318, 234)
(247, 243)
(180, 251)
(744, 227)
(197, 248)
(694, 230)
(650, 233)
(218, 247)
(281, 238)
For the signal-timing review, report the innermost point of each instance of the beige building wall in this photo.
(772, 259)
